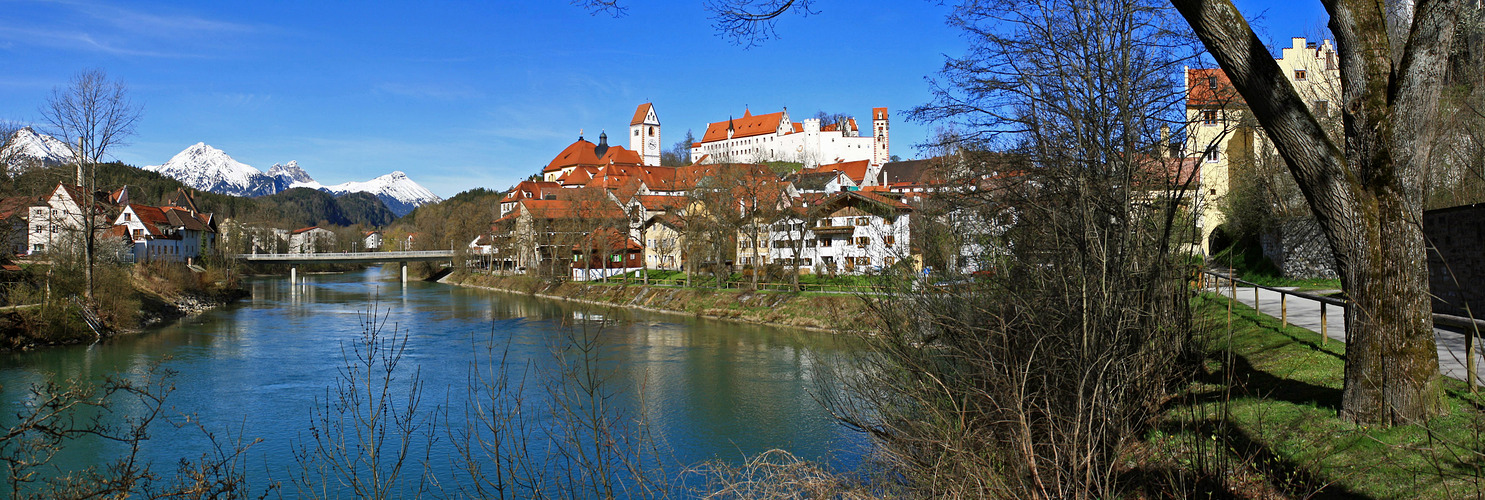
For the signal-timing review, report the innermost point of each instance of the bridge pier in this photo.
(404, 272)
(293, 274)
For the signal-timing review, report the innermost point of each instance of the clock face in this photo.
(652, 144)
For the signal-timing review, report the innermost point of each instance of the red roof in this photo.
(748, 126)
(531, 190)
(639, 113)
(658, 202)
(879, 113)
(1210, 87)
(308, 229)
(578, 153)
(856, 170)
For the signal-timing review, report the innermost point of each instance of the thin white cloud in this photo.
(442, 92)
(109, 29)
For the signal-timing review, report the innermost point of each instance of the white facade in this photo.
(157, 240)
(806, 143)
(310, 240)
(644, 134)
(847, 241)
(59, 219)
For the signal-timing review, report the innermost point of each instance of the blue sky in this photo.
(465, 95)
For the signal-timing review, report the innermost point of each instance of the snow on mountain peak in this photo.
(400, 193)
(210, 169)
(27, 147)
(290, 173)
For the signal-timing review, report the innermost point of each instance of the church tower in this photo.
(644, 134)
(881, 153)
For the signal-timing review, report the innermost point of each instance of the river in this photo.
(260, 367)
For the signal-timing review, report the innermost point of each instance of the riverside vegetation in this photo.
(42, 307)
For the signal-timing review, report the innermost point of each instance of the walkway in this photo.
(1305, 313)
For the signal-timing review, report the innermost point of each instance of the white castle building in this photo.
(774, 137)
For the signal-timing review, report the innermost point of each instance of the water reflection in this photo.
(712, 389)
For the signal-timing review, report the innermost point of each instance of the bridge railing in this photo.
(346, 255)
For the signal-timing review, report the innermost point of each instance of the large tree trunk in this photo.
(1368, 198)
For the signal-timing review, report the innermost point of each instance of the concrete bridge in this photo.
(347, 258)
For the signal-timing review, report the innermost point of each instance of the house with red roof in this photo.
(169, 233)
(848, 232)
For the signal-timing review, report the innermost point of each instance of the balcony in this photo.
(834, 229)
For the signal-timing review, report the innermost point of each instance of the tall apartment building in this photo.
(1226, 136)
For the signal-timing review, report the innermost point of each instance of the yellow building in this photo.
(1224, 135)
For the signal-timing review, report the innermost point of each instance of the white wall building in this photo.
(848, 233)
(165, 233)
(57, 220)
(775, 137)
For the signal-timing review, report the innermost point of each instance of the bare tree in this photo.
(92, 114)
(1367, 191)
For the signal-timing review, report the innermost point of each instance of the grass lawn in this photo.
(1277, 434)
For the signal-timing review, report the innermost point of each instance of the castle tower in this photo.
(881, 151)
(644, 134)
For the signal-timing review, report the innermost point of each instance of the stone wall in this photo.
(1456, 266)
(1299, 249)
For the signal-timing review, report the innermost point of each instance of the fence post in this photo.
(1284, 310)
(1255, 297)
(1323, 333)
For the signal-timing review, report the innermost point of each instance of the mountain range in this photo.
(210, 169)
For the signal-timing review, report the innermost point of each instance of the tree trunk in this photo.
(1368, 200)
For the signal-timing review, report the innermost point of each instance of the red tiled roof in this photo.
(310, 228)
(856, 170)
(532, 190)
(1210, 87)
(578, 153)
(639, 113)
(879, 113)
(153, 219)
(748, 126)
(658, 202)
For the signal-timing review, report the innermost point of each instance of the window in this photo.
(1212, 82)
(1299, 74)
(861, 221)
(126, 216)
(1208, 117)
(1322, 108)
(862, 241)
(1211, 154)
(889, 240)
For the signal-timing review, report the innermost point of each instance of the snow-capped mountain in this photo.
(27, 148)
(289, 174)
(400, 193)
(209, 169)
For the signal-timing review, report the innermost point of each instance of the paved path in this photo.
(1305, 313)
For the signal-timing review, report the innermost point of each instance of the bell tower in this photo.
(644, 134)
(881, 153)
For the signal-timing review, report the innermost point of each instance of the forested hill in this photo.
(289, 209)
(456, 220)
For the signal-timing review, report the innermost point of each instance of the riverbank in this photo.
(823, 312)
(127, 300)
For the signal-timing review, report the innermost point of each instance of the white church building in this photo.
(775, 137)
